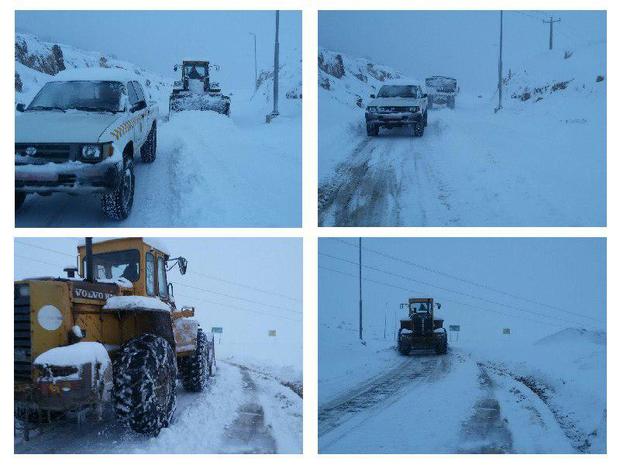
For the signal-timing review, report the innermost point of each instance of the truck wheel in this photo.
(148, 151)
(195, 368)
(117, 204)
(372, 130)
(20, 198)
(430, 102)
(145, 384)
(418, 129)
(404, 348)
(442, 346)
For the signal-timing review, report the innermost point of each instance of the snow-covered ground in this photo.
(540, 389)
(541, 161)
(214, 421)
(210, 171)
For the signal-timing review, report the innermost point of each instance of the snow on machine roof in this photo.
(94, 74)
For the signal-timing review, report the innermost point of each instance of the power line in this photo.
(237, 298)
(44, 248)
(247, 286)
(465, 294)
(463, 280)
(37, 260)
(475, 307)
(202, 299)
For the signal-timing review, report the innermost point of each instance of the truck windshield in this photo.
(195, 71)
(398, 91)
(113, 265)
(79, 95)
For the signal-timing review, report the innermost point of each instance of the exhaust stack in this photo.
(90, 269)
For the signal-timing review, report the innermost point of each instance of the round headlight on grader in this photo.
(422, 331)
(111, 335)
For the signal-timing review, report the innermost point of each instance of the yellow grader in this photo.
(108, 334)
(422, 331)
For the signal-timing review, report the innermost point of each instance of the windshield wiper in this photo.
(94, 109)
(40, 107)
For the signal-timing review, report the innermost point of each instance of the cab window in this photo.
(150, 274)
(161, 278)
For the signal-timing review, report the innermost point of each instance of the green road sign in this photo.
(455, 328)
(217, 330)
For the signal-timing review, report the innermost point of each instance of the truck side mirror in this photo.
(424, 95)
(372, 96)
(438, 306)
(20, 107)
(182, 265)
(176, 68)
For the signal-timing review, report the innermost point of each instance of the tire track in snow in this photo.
(385, 388)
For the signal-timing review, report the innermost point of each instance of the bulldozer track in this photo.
(375, 391)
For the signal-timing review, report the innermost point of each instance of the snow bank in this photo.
(136, 303)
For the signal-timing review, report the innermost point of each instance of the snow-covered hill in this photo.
(36, 60)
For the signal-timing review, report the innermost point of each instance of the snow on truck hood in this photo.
(393, 102)
(57, 127)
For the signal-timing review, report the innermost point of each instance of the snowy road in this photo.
(240, 412)
(472, 168)
(210, 171)
(449, 404)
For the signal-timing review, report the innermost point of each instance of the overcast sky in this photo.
(269, 264)
(564, 273)
(463, 44)
(157, 40)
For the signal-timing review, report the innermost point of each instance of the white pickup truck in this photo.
(81, 134)
(398, 104)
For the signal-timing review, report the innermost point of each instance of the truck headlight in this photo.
(91, 152)
(372, 109)
(414, 109)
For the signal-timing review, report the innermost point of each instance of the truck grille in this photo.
(22, 359)
(391, 109)
(55, 153)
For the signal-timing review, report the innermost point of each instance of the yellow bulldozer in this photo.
(108, 332)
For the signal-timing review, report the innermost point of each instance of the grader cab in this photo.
(422, 331)
(110, 334)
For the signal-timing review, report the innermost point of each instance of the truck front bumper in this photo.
(394, 119)
(72, 177)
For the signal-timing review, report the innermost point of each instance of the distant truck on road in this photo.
(442, 90)
(398, 104)
(81, 134)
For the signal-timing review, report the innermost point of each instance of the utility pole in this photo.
(499, 65)
(255, 64)
(360, 272)
(550, 23)
(276, 69)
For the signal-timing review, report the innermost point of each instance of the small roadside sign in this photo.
(506, 331)
(455, 328)
(272, 333)
(217, 330)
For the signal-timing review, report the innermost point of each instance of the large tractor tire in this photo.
(196, 368)
(442, 346)
(20, 198)
(148, 151)
(117, 204)
(404, 348)
(145, 384)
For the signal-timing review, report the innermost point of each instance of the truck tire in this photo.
(20, 198)
(117, 204)
(404, 348)
(148, 151)
(195, 368)
(418, 129)
(430, 102)
(145, 384)
(372, 130)
(425, 118)
(442, 346)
